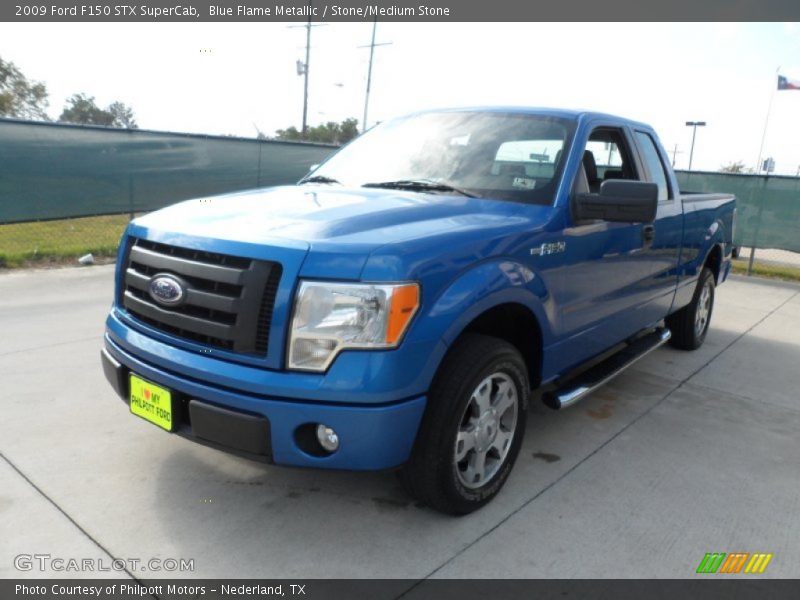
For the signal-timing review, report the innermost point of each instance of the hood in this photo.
(340, 226)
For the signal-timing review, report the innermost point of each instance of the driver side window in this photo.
(606, 156)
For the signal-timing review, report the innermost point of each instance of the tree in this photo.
(348, 129)
(123, 115)
(81, 108)
(290, 134)
(19, 96)
(733, 167)
(327, 133)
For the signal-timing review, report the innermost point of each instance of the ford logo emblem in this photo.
(167, 289)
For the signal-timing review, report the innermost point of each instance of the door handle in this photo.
(648, 235)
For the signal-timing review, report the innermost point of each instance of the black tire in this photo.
(687, 327)
(432, 475)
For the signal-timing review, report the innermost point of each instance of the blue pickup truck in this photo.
(398, 307)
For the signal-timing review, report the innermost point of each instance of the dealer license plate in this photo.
(151, 402)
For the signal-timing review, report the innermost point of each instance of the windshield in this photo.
(505, 156)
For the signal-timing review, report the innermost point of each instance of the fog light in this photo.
(327, 438)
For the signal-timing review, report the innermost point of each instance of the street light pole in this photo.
(694, 125)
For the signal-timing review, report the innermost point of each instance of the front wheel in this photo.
(689, 325)
(473, 426)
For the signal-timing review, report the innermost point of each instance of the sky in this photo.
(240, 78)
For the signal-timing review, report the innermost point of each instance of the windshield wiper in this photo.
(318, 179)
(420, 185)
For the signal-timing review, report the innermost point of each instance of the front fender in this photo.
(485, 286)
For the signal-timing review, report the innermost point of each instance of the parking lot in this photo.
(685, 453)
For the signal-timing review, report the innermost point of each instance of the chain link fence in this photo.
(768, 261)
(767, 234)
(67, 190)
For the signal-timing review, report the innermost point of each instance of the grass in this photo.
(773, 271)
(57, 242)
(61, 242)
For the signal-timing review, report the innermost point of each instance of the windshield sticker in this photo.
(524, 183)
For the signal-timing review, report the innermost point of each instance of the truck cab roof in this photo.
(559, 113)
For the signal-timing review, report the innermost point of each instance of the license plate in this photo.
(151, 402)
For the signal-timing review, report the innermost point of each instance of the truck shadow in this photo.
(275, 520)
(254, 520)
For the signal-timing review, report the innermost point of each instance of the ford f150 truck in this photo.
(399, 305)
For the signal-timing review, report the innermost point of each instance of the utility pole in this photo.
(371, 47)
(303, 67)
(305, 71)
(675, 152)
(694, 125)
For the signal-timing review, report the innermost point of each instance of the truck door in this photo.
(613, 274)
(662, 252)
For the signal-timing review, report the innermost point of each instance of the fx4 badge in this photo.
(549, 248)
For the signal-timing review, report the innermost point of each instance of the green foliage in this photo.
(123, 115)
(327, 133)
(734, 167)
(81, 108)
(19, 96)
(25, 99)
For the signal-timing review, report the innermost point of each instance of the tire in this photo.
(476, 408)
(689, 325)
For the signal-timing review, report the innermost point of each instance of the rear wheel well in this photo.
(516, 324)
(714, 261)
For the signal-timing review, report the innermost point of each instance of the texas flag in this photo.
(784, 83)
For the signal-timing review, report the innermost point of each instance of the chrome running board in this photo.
(571, 391)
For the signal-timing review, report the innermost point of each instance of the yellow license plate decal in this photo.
(151, 402)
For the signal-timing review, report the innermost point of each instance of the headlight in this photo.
(330, 317)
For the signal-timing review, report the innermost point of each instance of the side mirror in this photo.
(619, 200)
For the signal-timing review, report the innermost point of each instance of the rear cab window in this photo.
(654, 164)
(527, 161)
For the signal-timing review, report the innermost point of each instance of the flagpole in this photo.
(766, 121)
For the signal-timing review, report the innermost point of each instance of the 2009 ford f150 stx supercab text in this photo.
(398, 306)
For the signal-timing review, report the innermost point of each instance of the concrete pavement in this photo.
(686, 453)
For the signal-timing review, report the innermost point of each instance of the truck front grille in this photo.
(228, 299)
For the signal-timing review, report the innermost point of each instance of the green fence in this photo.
(55, 171)
(768, 206)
